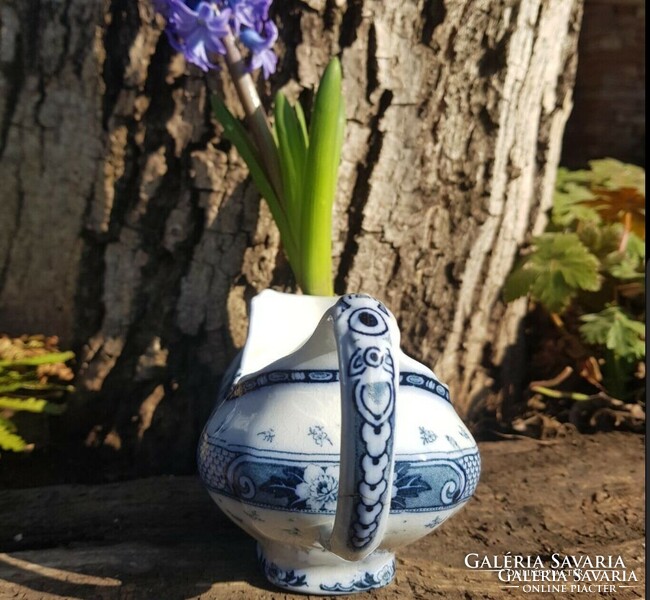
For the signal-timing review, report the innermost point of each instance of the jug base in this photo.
(317, 571)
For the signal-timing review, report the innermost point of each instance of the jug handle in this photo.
(367, 341)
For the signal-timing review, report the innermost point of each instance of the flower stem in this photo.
(255, 115)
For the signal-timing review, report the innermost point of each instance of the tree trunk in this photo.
(130, 229)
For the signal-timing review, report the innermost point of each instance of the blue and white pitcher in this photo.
(330, 446)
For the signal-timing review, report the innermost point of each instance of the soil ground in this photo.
(163, 538)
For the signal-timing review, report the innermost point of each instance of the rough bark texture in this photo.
(130, 229)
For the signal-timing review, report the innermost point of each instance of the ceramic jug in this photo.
(330, 446)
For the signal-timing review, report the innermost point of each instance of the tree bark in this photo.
(130, 228)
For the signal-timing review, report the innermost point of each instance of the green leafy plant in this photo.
(32, 379)
(587, 269)
(558, 268)
(302, 193)
(622, 340)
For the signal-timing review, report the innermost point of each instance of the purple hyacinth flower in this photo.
(248, 13)
(197, 33)
(261, 47)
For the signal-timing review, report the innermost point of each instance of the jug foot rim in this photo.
(316, 571)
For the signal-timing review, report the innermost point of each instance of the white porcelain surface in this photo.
(274, 458)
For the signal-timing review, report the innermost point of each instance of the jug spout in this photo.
(367, 340)
(279, 325)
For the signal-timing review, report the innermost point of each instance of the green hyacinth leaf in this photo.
(323, 157)
(300, 116)
(238, 135)
(293, 154)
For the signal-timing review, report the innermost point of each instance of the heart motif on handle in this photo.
(375, 401)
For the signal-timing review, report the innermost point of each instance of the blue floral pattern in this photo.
(368, 582)
(265, 478)
(268, 435)
(295, 578)
(405, 486)
(452, 442)
(435, 522)
(319, 435)
(287, 579)
(427, 436)
(314, 488)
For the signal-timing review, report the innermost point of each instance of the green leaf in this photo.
(601, 239)
(636, 247)
(8, 439)
(33, 385)
(623, 265)
(613, 329)
(564, 176)
(39, 359)
(610, 191)
(292, 148)
(604, 241)
(559, 266)
(34, 405)
(544, 285)
(8, 387)
(519, 282)
(300, 115)
(238, 135)
(323, 156)
(614, 174)
(568, 205)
